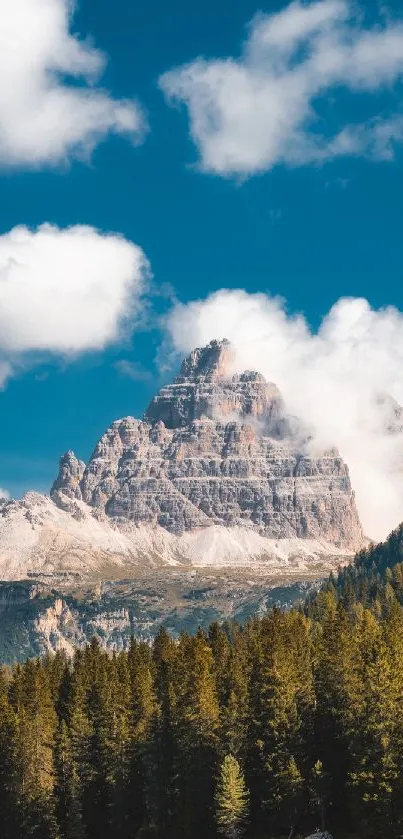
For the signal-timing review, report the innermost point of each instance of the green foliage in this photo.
(231, 799)
(373, 580)
(288, 724)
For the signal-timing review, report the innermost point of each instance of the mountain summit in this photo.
(210, 363)
(219, 449)
(206, 388)
(216, 474)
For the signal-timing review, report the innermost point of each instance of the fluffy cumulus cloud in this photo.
(65, 291)
(50, 106)
(342, 381)
(250, 113)
(4, 495)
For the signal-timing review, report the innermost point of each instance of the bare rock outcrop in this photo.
(216, 449)
(71, 471)
(206, 388)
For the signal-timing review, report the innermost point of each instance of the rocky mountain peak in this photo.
(210, 363)
(214, 449)
(206, 387)
(71, 471)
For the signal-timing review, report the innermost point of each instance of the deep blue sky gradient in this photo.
(311, 235)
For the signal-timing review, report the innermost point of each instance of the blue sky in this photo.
(312, 231)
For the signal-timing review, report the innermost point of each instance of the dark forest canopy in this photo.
(270, 730)
(374, 579)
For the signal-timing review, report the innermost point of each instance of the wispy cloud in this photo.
(132, 370)
(341, 380)
(251, 113)
(50, 105)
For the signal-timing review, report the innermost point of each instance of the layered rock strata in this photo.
(215, 449)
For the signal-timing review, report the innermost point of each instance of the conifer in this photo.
(231, 799)
(67, 790)
(151, 741)
(10, 772)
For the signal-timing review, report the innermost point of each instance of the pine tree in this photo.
(67, 796)
(373, 772)
(99, 792)
(232, 675)
(121, 748)
(231, 799)
(393, 635)
(10, 776)
(337, 686)
(142, 711)
(319, 790)
(35, 733)
(163, 790)
(281, 710)
(196, 720)
(292, 786)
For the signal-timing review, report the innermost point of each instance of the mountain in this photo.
(39, 540)
(215, 450)
(215, 491)
(217, 473)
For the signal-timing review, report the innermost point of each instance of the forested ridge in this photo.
(374, 579)
(269, 730)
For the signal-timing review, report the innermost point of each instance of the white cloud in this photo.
(50, 106)
(4, 494)
(334, 380)
(262, 109)
(65, 291)
(133, 370)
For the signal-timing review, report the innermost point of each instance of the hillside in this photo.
(374, 579)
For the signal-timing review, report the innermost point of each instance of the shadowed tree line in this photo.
(374, 579)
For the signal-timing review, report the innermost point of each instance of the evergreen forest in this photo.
(290, 723)
(374, 579)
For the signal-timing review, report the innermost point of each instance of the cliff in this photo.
(220, 449)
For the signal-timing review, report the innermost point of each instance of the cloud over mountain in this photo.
(50, 105)
(341, 380)
(249, 114)
(65, 291)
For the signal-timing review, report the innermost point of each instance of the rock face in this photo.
(215, 449)
(72, 542)
(204, 389)
(36, 619)
(71, 471)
